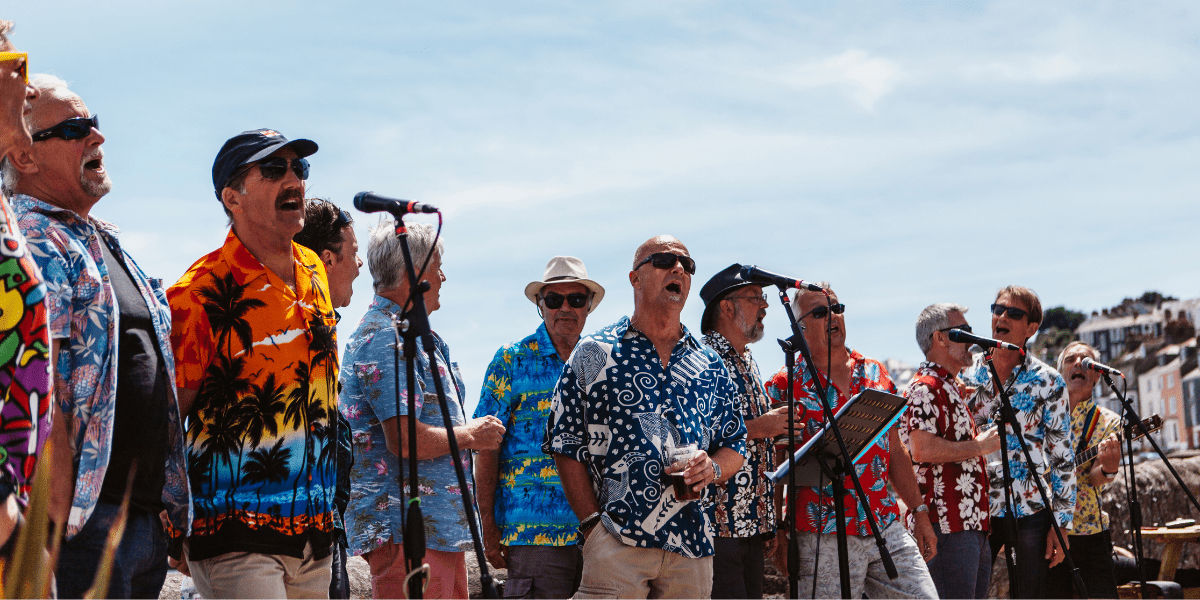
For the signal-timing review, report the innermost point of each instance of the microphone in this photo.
(370, 202)
(1088, 363)
(962, 337)
(757, 275)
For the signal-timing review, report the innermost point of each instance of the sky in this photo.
(908, 153)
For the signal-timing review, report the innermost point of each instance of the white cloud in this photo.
(1044, 69)
(863, 78)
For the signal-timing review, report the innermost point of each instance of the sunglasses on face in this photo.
(554, 301)
(666, 260)
(75, 128)
(966, 328)
(1013, 313)
(275, 168)
(821, 311)
(754, 298)
(22, 68)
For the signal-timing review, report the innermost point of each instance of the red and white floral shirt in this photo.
(956, 492)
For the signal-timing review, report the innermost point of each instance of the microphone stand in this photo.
(797, 341)
(1009, 416)
(1135, 507)
(412, 324)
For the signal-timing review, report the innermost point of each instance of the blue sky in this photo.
(909, 153)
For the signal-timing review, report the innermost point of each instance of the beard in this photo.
(748, 324)
(95, 189)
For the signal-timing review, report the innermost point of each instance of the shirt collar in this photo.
(67, 216)
(245, 268)
(545, 345)
(937, 369)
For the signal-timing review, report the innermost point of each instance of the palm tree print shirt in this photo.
(261, 436)
(1038, 395)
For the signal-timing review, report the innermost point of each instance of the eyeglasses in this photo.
(666, 260)
(576, 300)
(75, 128)
(22, 67)
(1013, 313)
(276, 167)
(754, 298)
(964, 327)
(821, 311)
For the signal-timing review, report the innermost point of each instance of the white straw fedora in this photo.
(565, 269)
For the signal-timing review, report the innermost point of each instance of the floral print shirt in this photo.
(1090, 518)
(530, 506)
(955, 491)
(816, 504)
(370, 381)
(1038, 395)
(745, 501)
(24, 361)
(83, 312)
(618, 411)
(261, 436)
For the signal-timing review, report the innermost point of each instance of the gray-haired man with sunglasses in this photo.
(118, 399)
(528, 525)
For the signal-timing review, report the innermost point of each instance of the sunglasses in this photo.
(275, 168)
(75, 128)
(666, 260)
(576, 300)
(1013, 313)
(821, 311)
(22, 67)
(966, 328)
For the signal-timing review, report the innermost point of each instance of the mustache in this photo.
(289, 194)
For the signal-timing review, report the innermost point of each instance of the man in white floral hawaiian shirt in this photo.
(1038, 397)
(947, 451)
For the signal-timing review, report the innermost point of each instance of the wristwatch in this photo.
(1107, 474)
(716, 470)
(920, 508)
(589, 522)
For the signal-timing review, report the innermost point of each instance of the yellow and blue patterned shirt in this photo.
(1089, 517)
(531, 508)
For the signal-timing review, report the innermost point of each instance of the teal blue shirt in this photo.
(530, 506)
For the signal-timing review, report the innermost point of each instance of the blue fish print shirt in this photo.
(617, 411)
(369, 379)
(530, 506)
(1038, 395)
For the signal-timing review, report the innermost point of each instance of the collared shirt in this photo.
(956, 492)
(617, 410)
(530, 506)
(83, 310)
(1039, 398)
(370, 382)
(261, 437)
(745, 504)
(816, 509)
(1090, 518)
(24, 360)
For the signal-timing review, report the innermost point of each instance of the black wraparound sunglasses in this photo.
(1013, 312)
(667, 260)
(75, 128)
(555, 301)
(821, 312)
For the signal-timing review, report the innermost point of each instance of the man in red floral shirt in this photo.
(947, 451)
(825, 333)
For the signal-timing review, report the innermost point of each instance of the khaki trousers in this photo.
(613, 570)
(252, 575)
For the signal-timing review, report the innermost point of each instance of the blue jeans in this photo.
(963, 565)
(1030, 546)
(139, 568)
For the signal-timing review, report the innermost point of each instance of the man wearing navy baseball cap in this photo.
(253, 330)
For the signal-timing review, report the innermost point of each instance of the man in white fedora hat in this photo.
(528, 525)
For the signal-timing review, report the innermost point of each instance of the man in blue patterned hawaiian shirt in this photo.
(371, 383)
(745, 511)
(528, 525)
(114, 372)
(632, 395)
(1038, 397)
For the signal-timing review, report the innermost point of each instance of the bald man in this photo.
(641, 424)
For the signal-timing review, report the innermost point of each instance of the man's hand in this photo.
(495, 552)
(989, 441)
(781, 552)
(771, 423)
(923, 532)
(1054, 552)
(699, 471)
(180, 565)
(1109, 454)
(484, 433)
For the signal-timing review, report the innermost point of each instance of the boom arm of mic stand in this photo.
(1007, 413)
(1135, 505)
(848, 459)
